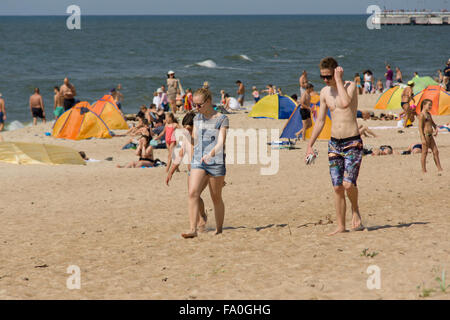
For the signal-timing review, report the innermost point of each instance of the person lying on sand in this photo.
(413, 149)
(383, 150)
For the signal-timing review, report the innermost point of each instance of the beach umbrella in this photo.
(108, 111)
(440, 98)
(391, 99)
(421, 83)
(273, 106)
(36, 153)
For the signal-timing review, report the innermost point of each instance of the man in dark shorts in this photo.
(305, 110)
(37, 106)
(69, 92)
(345, 148)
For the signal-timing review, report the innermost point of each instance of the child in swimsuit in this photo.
(169, 130)
(426, 128)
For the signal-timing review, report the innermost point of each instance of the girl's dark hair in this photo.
(188, 119)
(425, 101)
(294, 97)
(172, 116)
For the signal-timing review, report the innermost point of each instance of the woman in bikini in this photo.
(426, 128)
(172, 90)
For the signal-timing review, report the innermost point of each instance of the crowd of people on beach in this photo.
(202, 133)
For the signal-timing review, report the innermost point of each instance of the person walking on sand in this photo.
(389, 77)
(186, 152)
(37, 106)
(68, 92)
(426, 126)
(303, 82)
(208, 160)
(240, 92)
(173, 87)
(345, 148)
(305, 111)
(58, 103)
(2, 113)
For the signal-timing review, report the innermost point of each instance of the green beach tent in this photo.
(420, 83)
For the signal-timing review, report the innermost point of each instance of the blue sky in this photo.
(114, 7)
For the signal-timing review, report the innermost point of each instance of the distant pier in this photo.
(411, 18)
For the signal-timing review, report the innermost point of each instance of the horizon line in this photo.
(187, 14)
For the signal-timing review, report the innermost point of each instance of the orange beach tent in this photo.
(108, 111)
(440, 98)
(80, 122)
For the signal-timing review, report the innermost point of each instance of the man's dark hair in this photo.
(56, 87)
(239, 81)
(328, 63)
(294, 97)
(309, 86)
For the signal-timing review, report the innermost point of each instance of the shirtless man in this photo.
(37, 106)
(407, 96)
(240, 92)
(68, 92)
(2, 113)
(398, 75)
(303, 81)
(305, 110)
(345, 148)
(58, 102)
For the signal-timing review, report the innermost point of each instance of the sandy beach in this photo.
(122, 227)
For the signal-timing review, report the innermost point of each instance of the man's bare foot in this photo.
(118, 166)
(217, 232)
(339, 230)
(356, 222)
(189, 235)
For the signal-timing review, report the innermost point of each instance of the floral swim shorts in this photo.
(344, 157)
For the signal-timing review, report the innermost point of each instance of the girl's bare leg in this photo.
(215, 188)
(197, 182)
(435, 151)
(423, 159)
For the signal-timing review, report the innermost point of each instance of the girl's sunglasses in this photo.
(199, 105)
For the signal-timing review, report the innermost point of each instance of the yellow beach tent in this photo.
(36, 153)
(108, 111)
(80, 122)
(390, 99)
(273, 106)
